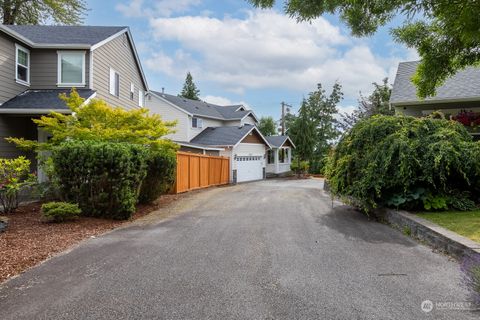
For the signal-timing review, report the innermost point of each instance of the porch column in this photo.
(276, 160)
(289, 155)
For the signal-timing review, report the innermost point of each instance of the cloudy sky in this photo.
(238, 54)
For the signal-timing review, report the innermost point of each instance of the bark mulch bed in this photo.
(28, 240)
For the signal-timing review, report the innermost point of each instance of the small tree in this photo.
(267, 126)
(303, 133)
(98, 121)
(190, 90)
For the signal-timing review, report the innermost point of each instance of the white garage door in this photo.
(249, 168)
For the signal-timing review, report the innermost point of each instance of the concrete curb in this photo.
(439, 238)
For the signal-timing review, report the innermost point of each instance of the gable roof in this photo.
(71, 37)
(225, 136)
(278, 141)
(463, 86)
(41, 101)
(205, 109)
(50, 35)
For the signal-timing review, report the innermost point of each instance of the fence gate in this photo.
(196, 171)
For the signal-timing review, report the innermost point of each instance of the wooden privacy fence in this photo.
(195, 171)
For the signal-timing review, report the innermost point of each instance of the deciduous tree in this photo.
(69, 12)
(267, 126)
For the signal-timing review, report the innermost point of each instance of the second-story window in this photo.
(71, 68)
(114, 83)
(22, 59)
(132, 91)
(197, 123)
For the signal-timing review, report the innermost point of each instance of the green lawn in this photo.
(465, 223)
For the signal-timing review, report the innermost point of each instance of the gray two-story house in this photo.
(37, 63)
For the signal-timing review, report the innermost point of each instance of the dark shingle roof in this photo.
(222, 136)
(463, 85)
(87, 35)
(276, 141)
(205, 109)
(42, 99)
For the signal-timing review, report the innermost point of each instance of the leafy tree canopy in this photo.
(267, 126)
(447, 38)
(98, 121)
(190, 90)
(69, 12)
(376, 103)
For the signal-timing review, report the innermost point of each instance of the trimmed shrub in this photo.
(104, 178)
(405, 162)
(60, 211)
(161, 166)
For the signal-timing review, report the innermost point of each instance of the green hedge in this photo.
(104, 178)
(161, 166)
(406, 162)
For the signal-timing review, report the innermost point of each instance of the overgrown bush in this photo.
(14, 177)
(405, 162)
(60, 211)
(104, 178)
(299, 167)
(160, 176)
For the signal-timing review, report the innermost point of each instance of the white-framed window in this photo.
(114, 83)
(132, 91)
(71, 68)
(22, 65)
(197, 123)
(270, 156)
(141, 98)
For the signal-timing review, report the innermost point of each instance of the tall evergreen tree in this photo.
(189, 90)
(68, 12)
(302, 131)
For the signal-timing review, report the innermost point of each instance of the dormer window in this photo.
(22, 61)
(197, 123)
(71, 68)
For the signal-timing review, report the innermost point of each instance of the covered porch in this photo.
(279, 158)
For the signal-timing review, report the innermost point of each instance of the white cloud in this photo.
(266, 49)
(152, 9)
(222, 101)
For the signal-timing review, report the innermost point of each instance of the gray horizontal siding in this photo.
(117, 54)
(9, 88)
(44, 68)
(12, 126)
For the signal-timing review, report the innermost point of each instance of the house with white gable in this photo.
(211, 129)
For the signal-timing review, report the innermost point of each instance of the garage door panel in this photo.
(249, 168)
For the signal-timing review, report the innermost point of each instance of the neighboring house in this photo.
(37, 63)
(460, 92)
(279, 158)
(216, 130)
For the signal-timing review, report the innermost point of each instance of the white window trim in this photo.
(111, 70)
(59, 69)
(199, 123)
(141, 98)
(25, 83)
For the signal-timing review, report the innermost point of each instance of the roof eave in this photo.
(32, 111)
(248, 132)
(427, 102)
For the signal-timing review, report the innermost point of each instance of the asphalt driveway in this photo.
(266, 250)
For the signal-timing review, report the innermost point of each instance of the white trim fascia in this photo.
(59, 69)
(186, 144)
(250, 113)
(33, 111)
(427, 102)
(172, 104)
(261, 135)
(134, 49)
(87, 101)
